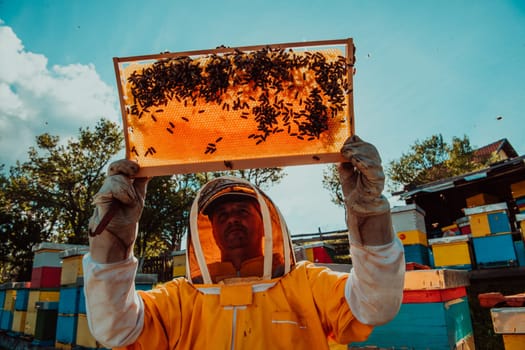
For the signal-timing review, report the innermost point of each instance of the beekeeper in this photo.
(243, 288)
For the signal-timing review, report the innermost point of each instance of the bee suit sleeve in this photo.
(114, 310)
(375, 288)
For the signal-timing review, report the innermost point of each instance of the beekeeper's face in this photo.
(237, 225)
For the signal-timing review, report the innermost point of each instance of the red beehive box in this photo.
(45, 277)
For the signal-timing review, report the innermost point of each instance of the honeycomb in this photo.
(237, 108)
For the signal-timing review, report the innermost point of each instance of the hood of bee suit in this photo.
(203, 257)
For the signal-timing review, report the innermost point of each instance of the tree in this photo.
(48, 198)
(433, 159)
(429, 160)
(332, 184)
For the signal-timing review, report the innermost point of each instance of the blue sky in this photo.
(423, 67)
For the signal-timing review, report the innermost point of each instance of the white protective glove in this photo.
(362, 180)
(123, 197)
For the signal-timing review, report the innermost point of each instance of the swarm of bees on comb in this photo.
(300, 94)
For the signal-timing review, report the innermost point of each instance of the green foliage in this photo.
(332, 184)
(48, 198)
(428, 160)
(432, 159)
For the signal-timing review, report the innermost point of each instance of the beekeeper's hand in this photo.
(122, 196)
(362, 180)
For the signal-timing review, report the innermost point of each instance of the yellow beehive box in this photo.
(9, 302)
(451, 251)
(412, 237)
(179, 263)
(518, 189)
(479, 224)
(480, 199)
(479, 217)
(514, 341)
(71, 270)
(19, 321)
(30, 323)
(72, 265)
(63, 346)
(84, 336)
(41, 295)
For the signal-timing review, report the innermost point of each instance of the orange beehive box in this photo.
(514, 341)
(518, 189)
(235, 108)
(480, 199)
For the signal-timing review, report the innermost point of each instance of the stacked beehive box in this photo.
(20, 307)
(7, 299)
(13, 302)
(46, 323)
(510, 323)
(37, 296)
(179, 263)
(46, 265)
(45, 292)
(488, 219)
(409, 225)
(68, 306)
(318, 252)
(492, 239)
(508, 317)
(435, 314)
(84, 338)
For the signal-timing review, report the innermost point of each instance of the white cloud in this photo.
(35, 99)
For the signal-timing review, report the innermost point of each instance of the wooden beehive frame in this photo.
(144, 103)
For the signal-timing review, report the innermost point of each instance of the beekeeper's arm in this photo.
(375, 288)
(114, 310)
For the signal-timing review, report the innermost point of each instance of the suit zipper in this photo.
(234, 326)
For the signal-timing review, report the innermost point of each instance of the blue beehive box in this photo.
(417, 253)
(520, 252)
(2, 297)
(68, 303)
(494, 251)
(7, 320)
(81, 301)
(22, 297)
(145, 281)
(66, 331)
(498, 222)
(439, 325)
